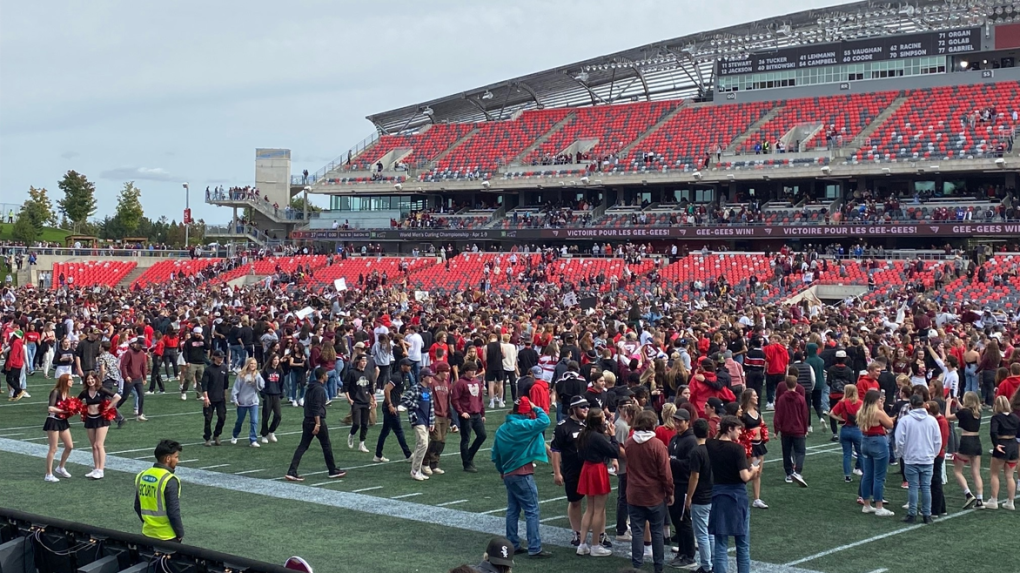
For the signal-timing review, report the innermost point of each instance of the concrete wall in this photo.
(272, 174)
(870, 86)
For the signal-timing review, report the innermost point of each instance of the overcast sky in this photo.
(163, 93)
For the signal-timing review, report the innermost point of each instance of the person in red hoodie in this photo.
(869, 380)
(15, 362)
(706, 385)
(791, 423)
(777, 358)
(1010, 384)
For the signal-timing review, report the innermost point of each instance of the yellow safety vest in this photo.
(151, 486)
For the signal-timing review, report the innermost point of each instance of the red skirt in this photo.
(594, 479)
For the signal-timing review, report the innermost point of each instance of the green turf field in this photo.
(377, 519)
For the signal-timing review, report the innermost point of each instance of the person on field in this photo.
(314, 426)
(158, 495)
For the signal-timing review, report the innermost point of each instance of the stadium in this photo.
(842, 177)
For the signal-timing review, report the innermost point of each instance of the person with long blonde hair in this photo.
(875, 424)
(96, 425)
(1005, 453)
(245, 395)
(969, 451)
(58, 429)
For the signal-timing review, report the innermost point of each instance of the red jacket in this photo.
(791, 417)
(944, 431)
(1008, 387)
(865, 383)
(16, 358)
(776, 358)
(539, 395)
(702, 390)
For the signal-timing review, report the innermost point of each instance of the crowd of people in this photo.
(667, 398)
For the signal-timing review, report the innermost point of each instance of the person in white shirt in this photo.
(414, 346)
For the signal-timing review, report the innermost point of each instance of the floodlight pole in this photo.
(187, 206)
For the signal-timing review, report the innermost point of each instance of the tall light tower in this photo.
(187, 212)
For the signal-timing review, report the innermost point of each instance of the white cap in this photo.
(197, 330)
(933, 333)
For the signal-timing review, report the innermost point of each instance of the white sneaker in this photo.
(380, 459)
(272, 437)
(906, 506)
(294, 403)
(426, 470)
(25, 394)
(350, 441)
(858, 472)
(90, 474)
(759, 504)
(62, 473)
(301, 402)
(149, 393)
(502, 403)
(184, 396)
(142, 418)
(362, 448)
(98, 474)
(770, 407)
(492, 404)
(438, 471)
(255, 444)
(1009, 505)
(868, 509)
(582, 549)
(799, 479)
(625, 537)
(599, 551)
(418, 477)
(883, 512)
(265, 440)
(991, 504)
(233, 440)
(49, 478)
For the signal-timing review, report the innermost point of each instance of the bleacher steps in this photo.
(882, 117)
(435, 160)
(753, 130)
(802, 133)
(625, 152)
(569, 118)
(131, 277)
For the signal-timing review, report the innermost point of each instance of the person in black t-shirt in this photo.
(730, 515)
(566, 463)
(698, 500)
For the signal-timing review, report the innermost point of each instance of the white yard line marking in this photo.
(37, 438)
(246, 472)
(446, 503)
(216, 466)
(142, 458)
(22, 404)
(187, 461)
(552, 518)
(373, 488)
(13, 435)
(882, 570)
(322, 483)
(406, 495)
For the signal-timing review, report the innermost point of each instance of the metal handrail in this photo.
(262, 205)
(339, 161)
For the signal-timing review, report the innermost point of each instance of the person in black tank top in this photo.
(58, 429)
(96, 424)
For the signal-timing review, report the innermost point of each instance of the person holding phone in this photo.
(730, 515)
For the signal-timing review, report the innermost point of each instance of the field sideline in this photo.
(235, 500)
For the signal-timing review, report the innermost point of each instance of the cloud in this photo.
(139, 173)
(70, 154)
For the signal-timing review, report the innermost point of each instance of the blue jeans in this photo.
(720, 555)
(253, 421)
(332, 381)
(30, 350)
(876, 462)
(656, 517)
(296, 385)
(970, 378)
(522, 494)
(699, 517)
(918, 477)
(238, 356)
(850, 438)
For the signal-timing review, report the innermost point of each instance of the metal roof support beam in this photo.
(595, 98)
(641, 76)
(480, 107)
(532, 93)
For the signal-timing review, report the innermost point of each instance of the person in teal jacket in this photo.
(518, 445)
(821, 388)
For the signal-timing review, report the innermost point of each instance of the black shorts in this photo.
(1012, 453)
(57, 425)
(570, 486)
(970, 446)
(493, 375)
(758, 450)
(93, 422)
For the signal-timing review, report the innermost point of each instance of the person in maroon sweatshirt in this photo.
(649, 488)
(440, 384)
(777, 358)
(791, 423)
(467, 401)
(134, 367)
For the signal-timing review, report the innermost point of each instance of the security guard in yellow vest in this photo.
(158, 495)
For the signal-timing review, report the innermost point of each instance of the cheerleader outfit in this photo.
(758, 448)
(53, 423)
(970, 446)
(93, 421)
(594, 478)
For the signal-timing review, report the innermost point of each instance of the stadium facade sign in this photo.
(939, 229)
(940, 43)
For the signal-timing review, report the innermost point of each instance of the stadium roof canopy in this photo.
(684, 67)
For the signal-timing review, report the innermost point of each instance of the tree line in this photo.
(78, 206)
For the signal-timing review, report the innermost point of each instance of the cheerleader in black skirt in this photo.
(596, 445)
(58, 429)
(96, 425)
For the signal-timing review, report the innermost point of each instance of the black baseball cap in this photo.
(500, 552)
(218, 353)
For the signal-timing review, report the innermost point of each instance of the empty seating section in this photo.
(498, 142)
(696, 131)
(847, 114)
(936, 123)
(425, 146)
(353, 267)
(466, 271)
(614, 126)
(92, 273)
(1003, 297)
(161, 271)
